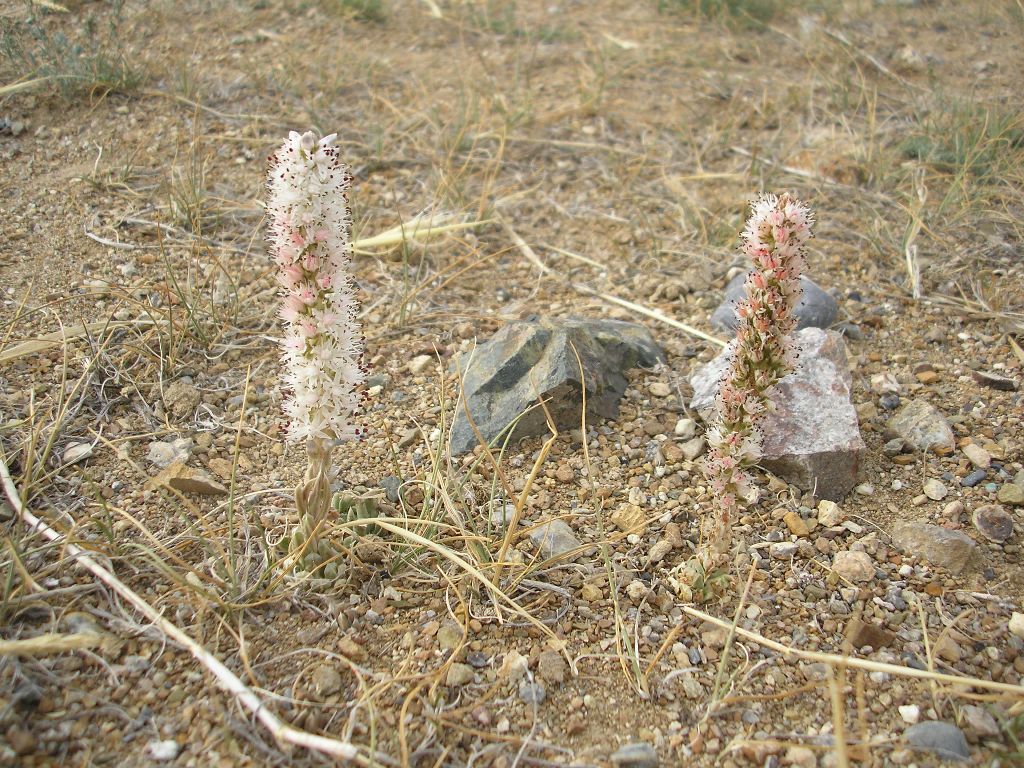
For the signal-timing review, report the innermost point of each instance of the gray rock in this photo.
(532, 693)
(993, 522)
(812, 439)
(164, 454)
(922, 425)
(816, 309)
(782, 550)
(325, 681)
(391, 485)
(979, 723)
(554, 538)
(943, 739)
(947, 549)
(532, 359)
(459, 675)
(972, 479)
(638, 755)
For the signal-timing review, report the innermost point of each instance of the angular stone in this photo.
(554, 538)
(782, 550)
(1012, 494)
(977, 455)
(829, 513)
(947, 549)
(638, 755)
(816, 309)
(854, 566)
(188, 480)
(76, 452)
(862, 633)
(458, 675)
(979, 723)
(421, 363)
(995, 382)
(993, 522)
(629, 518)
(922, 425)
(531, 359)
(943, 739)
(693, 448)
(812, 439)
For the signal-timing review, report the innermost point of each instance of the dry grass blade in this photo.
(46, 645)
(420, 228)
(871, 666)
(284, 733)
(654, 314)
(24, 85)
(835, 690)
(469, 568)
(59, 338)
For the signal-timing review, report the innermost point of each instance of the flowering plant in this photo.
(762, 353)
(322, 349)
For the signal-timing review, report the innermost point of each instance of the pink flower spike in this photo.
(761, 353)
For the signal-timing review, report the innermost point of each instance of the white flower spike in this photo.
(309, 237)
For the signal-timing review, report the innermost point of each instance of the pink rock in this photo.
(813, 438)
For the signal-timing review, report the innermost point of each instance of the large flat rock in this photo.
(813, 437)
(528, 360)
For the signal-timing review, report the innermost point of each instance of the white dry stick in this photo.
(283, 732)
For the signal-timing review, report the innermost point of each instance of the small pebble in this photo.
(162, 751)
(1012, 494)
(973, 478)
(993, 522)
(977, 455)
(935, 490)
(532, 693)
(911, 713)
(659, 389)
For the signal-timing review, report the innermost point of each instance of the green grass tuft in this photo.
(750, 11)
(90, 61)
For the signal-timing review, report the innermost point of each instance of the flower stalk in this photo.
(322, 348)
(762, 353)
